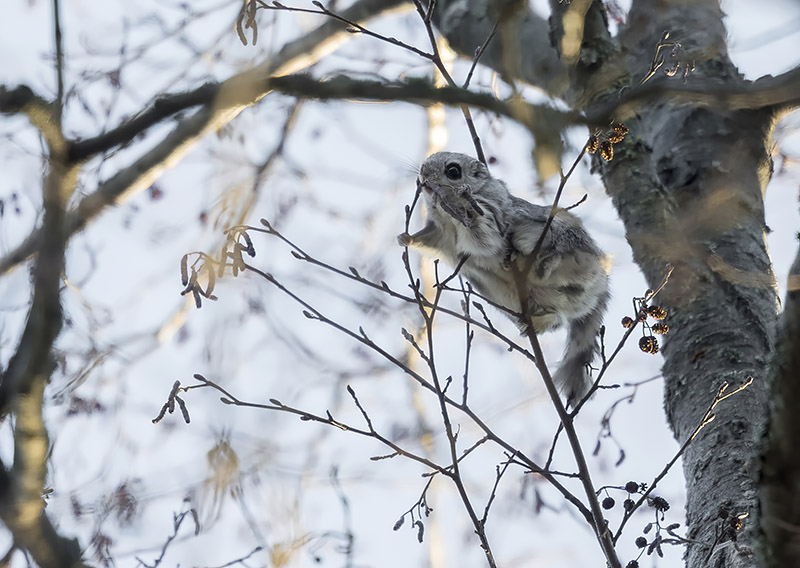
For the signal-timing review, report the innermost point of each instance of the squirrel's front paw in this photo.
(508, 260)
(404, 239)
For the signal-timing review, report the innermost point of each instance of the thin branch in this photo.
(162, 108)
(354, 275)
(779, 93)
(426, 15)
(500, 471)
(59, 45)
(478, 53)
(707, 418)
(452, 437)
(598, 521)
(177, 521)
(353, 27)
(362, 338)
(328, 419)
(554, 208)
(242, 559)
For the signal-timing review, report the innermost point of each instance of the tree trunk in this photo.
(688, 183)
(780, 479)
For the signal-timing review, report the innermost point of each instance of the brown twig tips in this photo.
(238, 241)
(169, 406)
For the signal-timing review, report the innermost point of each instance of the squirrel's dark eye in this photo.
(453, 171)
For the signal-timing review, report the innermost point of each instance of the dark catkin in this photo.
(649, 344)
(660, 328)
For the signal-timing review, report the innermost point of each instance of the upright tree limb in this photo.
(22, 507)
(780, 468)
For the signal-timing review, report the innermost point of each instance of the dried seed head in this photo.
(606, 150)
(620, 128)
(660, 328)
(628, 504)
(608, 503)
(649, 344)
(641, 542)
(632, 564)
(615, 138)
(642, 315)
(627, 322)
(738, 522)
(592, 145)
(659, 504)
(632, 487)
(657, 312)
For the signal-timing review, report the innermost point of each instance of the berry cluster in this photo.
(648, 343)
(604, 140)
(628, 504)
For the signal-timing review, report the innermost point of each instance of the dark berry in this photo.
(608, 503)
(628, 504)
(641, 542)
(632, 564)
(632, 487)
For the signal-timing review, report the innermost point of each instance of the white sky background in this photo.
(346, 209)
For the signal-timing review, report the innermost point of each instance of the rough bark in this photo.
(780, 482)
(689, 187)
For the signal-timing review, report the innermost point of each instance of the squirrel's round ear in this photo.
(479, 169)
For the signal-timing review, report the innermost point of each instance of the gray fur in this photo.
(474, 215)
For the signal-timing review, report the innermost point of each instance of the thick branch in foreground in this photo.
(22, 507)
(235, 95)
(239, 92)
(780, 468)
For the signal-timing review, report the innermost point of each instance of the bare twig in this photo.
(500, 471)
(706, 419)
(452, 437)
(478, 54)
(328, 419)
(353, 26)
(59, 48)
(177, 521)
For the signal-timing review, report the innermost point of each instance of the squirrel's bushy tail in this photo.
(572, 376)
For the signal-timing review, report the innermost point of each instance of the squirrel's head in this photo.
(460, 187)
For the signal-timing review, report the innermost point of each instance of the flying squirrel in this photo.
(472, 218)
